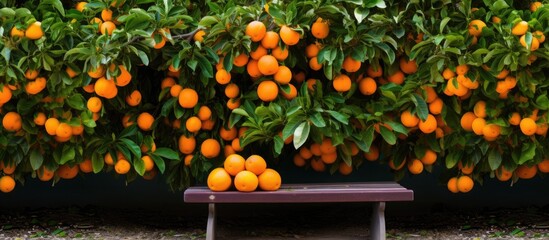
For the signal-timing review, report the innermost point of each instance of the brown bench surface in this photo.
(311, 192)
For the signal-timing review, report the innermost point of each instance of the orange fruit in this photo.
(17, 32)
(429, 158)
(268, 65)
(36, 86)
(256, 164)
(526, 172)
(467, 169)
(186, 144)
(259, 52)
(534, 45)
(7, 184)
(228, 134)
(241, 60)
(34, 31)
(320, 29)
(232, 90)
(528, 126)
(408, 119)
(107, 27)
(256, 30)
(539, 36)
(543, 166)
(167, 82)
(467, 121)
(299, 161)
(480, 109)
(478, 126)
(145, 148)
(219, 180)
(305, 153)
(31, 74)
(97, 72)
(40, 119)
(448, 74)
(289, 36)
(204, 113)
(234, 164)
(318, 165)
(515, 119)
(252, 68)
(124, 78)
(199, 36)
(520, 28)
(222, 76)
(134, 98)
(188, 160)
(342, 83)
(535, 5)
(122, 166)
(542, 129)
(236, 145)
(396, 168)
(372, 154)
(283, 75)
(374, 72)
(351, 65)
(312, 50)
(267, 91)
(80, 6)
(145, 121)
(491, 131)
(188, 98)
(94, 104)
(465, 184)
(435, 107)
(503, 174)
(270, 40)
(408, 66)
(63, 130)
(106, 14)
(85, 166)
(44, 174)
(193, 124)
(12, 122)
(327, 147)
(148, 162)
(67, 172)
(280, 54)
(430, 93)
(367, 86)
(269, 180)
(397, 77)
(329, 158)
(210, 148)
(105, 88)
(70, 72)
(452, 185)
(8, 169)
(51, 126)
(345, 169)
(475, 27)
(292, 94)
(5, 94)
(462, 69)
(246, 181)
(429, 125)
(314, 65)
(415, 166)
(90, 88)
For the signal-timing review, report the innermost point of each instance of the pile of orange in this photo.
(246, 175)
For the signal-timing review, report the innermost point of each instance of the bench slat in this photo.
(317, 192)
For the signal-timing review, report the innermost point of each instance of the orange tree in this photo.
(141, 86)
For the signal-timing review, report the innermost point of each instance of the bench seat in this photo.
(376, 192)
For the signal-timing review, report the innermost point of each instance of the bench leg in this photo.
(377, 228)
(210, 229)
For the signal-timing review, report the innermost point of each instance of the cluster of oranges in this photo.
(249, 174)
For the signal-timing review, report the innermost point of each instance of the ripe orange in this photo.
(270, 40)
(503, 174)
(222, 76)
(465, 184)
(44, 174)
(535, 5)
(397, 77)
(543, 166)
(228, 134)
(312, 50)
(63, 131)
(435, 107)
(36, 86)
(259, 52)
(299, 161)
(5, 94)
(520, 28)
(94, 104)
(199, 36)
(246, 181)
(236, 145)
(329, 158)
(448, 74)
(85, 166)
(204, 113)
(491, 131)
(345, 169)
(431, 94)
(452, 185)
(269, 180)
(232, 90)
(467, 121)
(144, 148)
(526, 172)
(39, 119)
(105, 88)
(31, 74)
(241, 60)
(134, 98)
(219, 180)
(145, 121)
(314, 64)
(234, 164)
(327, 147)
(528, 126)
(7, 184)
(342, 83)
(515, 119)
(374, 72)
(478, 126)
(267, 91)
(188, 160)
(480, 109)
(193, 124)
(462, 69)
(475, 27)
(534, 45)
(292, 94)
(210, 148)
(124, 77)
(51, 126)
(268, 65)
(80, 6)
(186, 144)
(67, 172)
(467, 169)
(407, 66)
(97, 72)
(320, 29)
(106, 14)
(8, 169)
(107, 27)
(280, 54)
(429, 158)
(253, 69)
(148, 162)
(188, 98)
(256, 30)
(367, 86)
(283, 75)
(305, 153)
(539, 36)
(17, 32)
(12, 122)
(408, 119)
(415, 166)
(289, 36)
(122, 166)
(167, 82)
(318, 165)
(396, 168)
(429, 125)
(34, 31)
(256, 164)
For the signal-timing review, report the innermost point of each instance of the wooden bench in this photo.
(376, 192)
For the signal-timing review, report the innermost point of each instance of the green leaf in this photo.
(301, 134)
(527, 153)
(139, 166)
(452, 158)
(317, 120)
(143, 56)
(208, 21)
(388, 135)
(498, 5)
(494, 159)
(76, 101)
(361, 13)
(132, 146)
(167, 153)
(543, 102)
(36, 159)
(67, 155)
(422, 110)
(339, 116)
(278, 145)
(159, 162)
(97, 162)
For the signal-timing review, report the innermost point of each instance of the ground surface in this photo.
(327, 221)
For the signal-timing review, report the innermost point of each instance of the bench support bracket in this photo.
(210, 229)
(377, 228)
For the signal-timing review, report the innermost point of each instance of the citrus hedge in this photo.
(140, 87)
